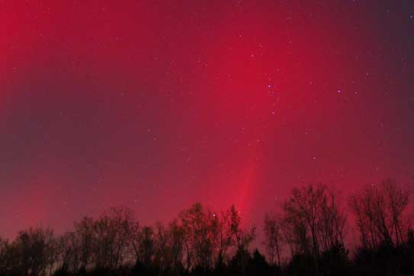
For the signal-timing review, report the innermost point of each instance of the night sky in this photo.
(157, 104)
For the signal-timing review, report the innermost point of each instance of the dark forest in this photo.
(308, 236)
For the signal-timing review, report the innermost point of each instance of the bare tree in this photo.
(238, 236)
(146, 245)
(83, 241)
(224, 237)
(163, 254)
(52, 254)
(69, 253)
(176, 241)
(201, 230)
(289, 236)
(301, 211)
(33, 247)
(397, 203)
(112, 233)
(314, 221)
(273, 237)
(379, 211)
(332, 227)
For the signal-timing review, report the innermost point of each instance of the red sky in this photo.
(157, 104)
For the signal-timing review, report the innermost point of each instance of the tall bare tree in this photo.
(176, 241)
(34, 246)
(112, 232)
(273, 237)
(238, 236)
(380, 214)
(146, 245)
(316, 220)
(201, 230)
(85, 238)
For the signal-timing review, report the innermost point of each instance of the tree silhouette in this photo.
(199, 241)
(273, 237)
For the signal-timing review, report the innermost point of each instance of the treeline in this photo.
(306, 237)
